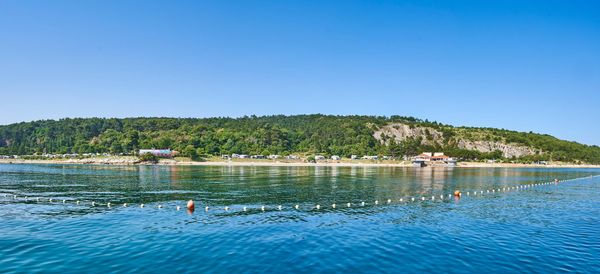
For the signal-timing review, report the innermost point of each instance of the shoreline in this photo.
(168, 162)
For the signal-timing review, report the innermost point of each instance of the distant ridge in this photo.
(394, 136)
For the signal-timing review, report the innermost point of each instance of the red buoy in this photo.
(190, 205)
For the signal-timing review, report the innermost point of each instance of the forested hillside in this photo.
(304, 134)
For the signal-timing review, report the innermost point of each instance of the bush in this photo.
(149, 157)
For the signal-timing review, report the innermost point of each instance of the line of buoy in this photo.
(458, 194)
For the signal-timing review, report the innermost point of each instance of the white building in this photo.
(166, 153)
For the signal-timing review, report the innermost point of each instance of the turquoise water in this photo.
(550, 228)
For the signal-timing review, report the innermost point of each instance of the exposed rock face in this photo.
(400, 132)
(430, 136)
(508, 150)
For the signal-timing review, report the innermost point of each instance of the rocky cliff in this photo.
(431, 136)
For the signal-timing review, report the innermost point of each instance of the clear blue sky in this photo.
(522, 65)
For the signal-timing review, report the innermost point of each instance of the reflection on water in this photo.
(254, 186)
(546, 229)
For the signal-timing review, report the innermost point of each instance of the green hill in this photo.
(325, 134)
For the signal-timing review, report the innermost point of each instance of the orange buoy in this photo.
(457, 193)
(190, 205)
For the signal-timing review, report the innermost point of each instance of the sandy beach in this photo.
(129, 160)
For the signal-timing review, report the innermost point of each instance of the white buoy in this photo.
(141, 205)
(296, 206)
(279, 207)
(467, 193)
(401, 200)
(449, 195)
(206, 209)
(376, 202)
(124, 204)
(93, 203)
(50, 200)
(107, 204)
(422, 198)
(362, 204)
(441, 197)
(432, 198)
(262, 208)
(14, 196)
(412, 199)
(245, 209)
(159, 206)
(64, 201)
(389, 201)
(178, 208)
(333, 206)
(348, 205)
(226, 208)
(77, 202)
(318, 207)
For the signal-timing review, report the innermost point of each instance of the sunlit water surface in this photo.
(552, 228)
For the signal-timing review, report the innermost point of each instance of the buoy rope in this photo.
(313, 207)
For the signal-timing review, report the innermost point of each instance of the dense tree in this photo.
(310, 134)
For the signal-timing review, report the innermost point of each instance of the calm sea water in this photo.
(542, 229)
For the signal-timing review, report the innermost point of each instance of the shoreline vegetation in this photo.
(132, 160)
(395, 137)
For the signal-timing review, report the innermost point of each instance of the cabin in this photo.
(437, 158)
(335, 158)
(164, 153)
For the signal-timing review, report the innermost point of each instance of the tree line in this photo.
(277, 134)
